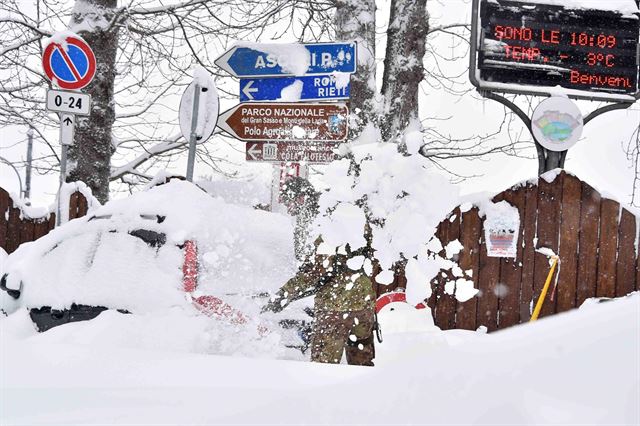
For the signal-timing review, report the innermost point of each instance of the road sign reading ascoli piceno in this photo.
(69, 102)
(307, 88)
(276, 60)
(319, 152)
(68, 61)
(286, 122)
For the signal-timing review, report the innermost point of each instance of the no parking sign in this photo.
(69, 62)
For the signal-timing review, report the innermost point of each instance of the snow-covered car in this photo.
(131, 255)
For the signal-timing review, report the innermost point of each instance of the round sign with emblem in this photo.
(69, 62)
(557, 123)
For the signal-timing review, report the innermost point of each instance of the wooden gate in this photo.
(595, 238)
(16, 227)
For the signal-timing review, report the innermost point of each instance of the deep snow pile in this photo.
(575, 368)
(241, 251)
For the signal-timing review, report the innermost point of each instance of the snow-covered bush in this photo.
(400, 196)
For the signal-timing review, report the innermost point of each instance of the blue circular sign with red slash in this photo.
(69, 65)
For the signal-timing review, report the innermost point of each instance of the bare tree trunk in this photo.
(403, 65)
(90, 157)
(355, 20)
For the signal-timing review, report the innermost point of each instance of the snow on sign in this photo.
(308, 88)
(319, 153)
(549, 43)
(557, 123)
(69, 62)
(208, 108)
(501, 229)
(276, 60)
(286, 122)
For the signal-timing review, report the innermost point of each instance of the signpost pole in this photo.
(63, 179)
(192, 136)
(27, 186)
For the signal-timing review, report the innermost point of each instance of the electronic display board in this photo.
(548, 45)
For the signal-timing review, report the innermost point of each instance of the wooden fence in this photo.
(16, 227)
(594, 237)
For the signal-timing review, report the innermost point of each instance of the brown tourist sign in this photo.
(286, 122)
(320, 152)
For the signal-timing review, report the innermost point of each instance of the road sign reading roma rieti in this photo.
(286, 122)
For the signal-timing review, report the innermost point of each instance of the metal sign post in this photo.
(69, 65)
(27, 189)
(198, 115)
(192, 136)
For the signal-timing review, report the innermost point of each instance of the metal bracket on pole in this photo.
(192, 136)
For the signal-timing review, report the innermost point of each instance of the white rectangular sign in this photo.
(68, 102)
(67, 127)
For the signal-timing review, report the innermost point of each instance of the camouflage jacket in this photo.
(336, 287)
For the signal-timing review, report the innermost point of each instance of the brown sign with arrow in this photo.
(286, 122)
(320, 152)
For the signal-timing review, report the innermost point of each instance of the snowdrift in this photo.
(101, 260)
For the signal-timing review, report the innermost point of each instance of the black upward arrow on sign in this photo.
(67, 121)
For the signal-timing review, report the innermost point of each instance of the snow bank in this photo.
(558, 370)
(242, 251)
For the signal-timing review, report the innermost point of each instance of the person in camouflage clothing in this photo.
(344, 308)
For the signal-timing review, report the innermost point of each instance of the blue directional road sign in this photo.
(313, 88)
(267, 60)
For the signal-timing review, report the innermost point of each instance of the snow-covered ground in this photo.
(575, 368)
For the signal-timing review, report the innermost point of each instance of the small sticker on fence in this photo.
(501, 229)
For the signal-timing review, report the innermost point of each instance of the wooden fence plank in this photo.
(470, 228)
(13, 230)
(625, 268)
(549, 206)
(488, 276)
(509, 287)
(27, 228)
(83, 206)
(569, 235)
(638, 259)
(41, 228)
(5, 203)
(588, 245)
(73, 205)
(436, 286)
(528, 252)
(445, 315)
(608, 249)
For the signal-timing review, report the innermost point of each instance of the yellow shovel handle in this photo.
(538, 307)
